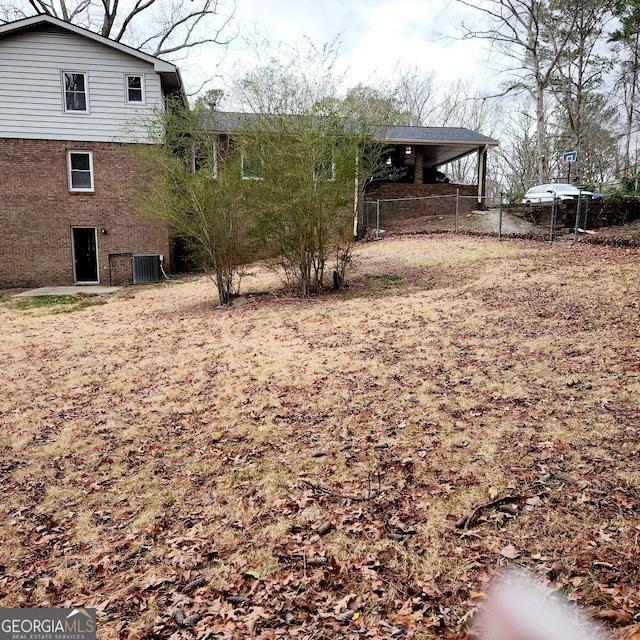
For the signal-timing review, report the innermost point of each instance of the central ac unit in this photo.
(146, 268)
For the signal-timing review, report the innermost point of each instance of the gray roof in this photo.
(233, 121)
(227, 121)
(438, 135)
(440, 144)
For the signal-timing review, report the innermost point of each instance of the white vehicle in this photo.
(559, 190)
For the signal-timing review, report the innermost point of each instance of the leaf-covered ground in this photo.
(357, 465)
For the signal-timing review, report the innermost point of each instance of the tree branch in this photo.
(138, 8)
(42, 7)
(196, 17)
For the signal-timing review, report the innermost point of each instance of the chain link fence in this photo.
(443, 213)
(465, 214)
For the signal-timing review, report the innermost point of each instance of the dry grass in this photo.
(156, 437)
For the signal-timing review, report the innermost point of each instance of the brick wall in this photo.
(120, 268)
(439, 200)
(37, 212)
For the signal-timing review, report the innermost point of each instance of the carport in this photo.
(416, 153)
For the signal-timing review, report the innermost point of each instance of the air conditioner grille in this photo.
(146, 268)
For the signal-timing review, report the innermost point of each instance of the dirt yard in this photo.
(488, 222)
(357, 465)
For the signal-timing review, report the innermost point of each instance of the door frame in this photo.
(73, 255)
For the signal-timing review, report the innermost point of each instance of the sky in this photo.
(376, 37)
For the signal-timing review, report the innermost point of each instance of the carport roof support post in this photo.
(482, 175)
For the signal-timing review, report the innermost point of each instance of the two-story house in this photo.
(72, 104)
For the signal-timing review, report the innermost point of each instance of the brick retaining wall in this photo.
(437, 200)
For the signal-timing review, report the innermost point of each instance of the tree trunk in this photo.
(541, 133)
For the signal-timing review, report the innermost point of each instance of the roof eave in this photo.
(479, 143)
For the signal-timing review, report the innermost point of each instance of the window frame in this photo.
(243, 158)
(215, 162)
(85, 75)
(329, 170)
(195, 157)
(127, 88)
(70, 171)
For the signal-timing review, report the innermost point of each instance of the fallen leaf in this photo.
(631, 633)
(252, 618)
(347, 615)
(343, 603)
(509, 552)
(324, 528)
(617, 616)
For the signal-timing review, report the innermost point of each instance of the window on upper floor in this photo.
(80, 170)
(76, 95)
(135, 89)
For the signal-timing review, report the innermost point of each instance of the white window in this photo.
(252, 166)
(76, 93)
(325, 168)
(80, 170)
(135, 89)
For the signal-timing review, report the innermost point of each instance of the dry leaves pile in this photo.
(353, 466)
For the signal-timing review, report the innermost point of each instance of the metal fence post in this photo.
(377, 219)
(500, 218)
(586, 213)
(552, 222)
(577, 224)
(457, 209)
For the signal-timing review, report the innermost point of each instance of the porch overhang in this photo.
(419, 151)
(440, 145)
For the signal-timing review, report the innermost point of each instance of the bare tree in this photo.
(599, 153)
(288, 80)
(461, 105)
(525, 32)
(515, 159)
(376, 105)
(626, 41)
(158, 27)
(415, 95)
(582, 65)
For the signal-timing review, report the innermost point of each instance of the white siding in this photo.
(31, 95)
